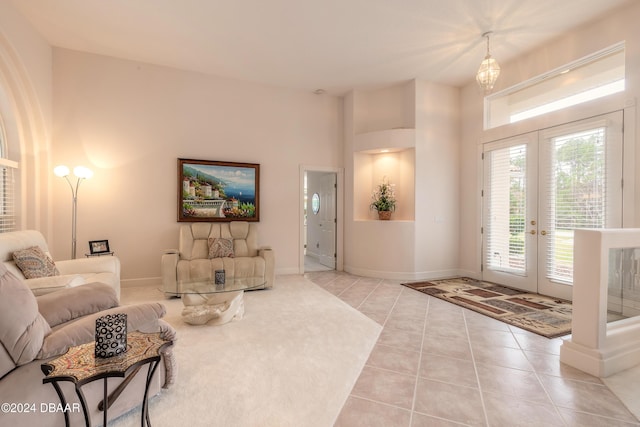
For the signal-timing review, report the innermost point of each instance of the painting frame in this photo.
(218, 191)
(99, 247)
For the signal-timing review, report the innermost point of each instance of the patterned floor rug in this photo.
(546, 316)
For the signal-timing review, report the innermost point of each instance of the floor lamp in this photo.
(81, 173)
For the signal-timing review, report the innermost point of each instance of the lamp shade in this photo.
(61, 171)
(82, 172)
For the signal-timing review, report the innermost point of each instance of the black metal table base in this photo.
(144, 415)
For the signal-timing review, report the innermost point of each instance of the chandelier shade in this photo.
(489, 70)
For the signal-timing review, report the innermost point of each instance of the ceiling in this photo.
(335, 45)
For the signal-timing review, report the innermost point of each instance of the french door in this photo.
(537, 189)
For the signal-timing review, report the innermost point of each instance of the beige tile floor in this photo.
(437, 364)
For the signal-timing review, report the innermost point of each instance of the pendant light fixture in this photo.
(489, 69)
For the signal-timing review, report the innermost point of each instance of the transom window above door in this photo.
(592, 77)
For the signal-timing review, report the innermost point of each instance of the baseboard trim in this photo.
(402, 275)
(470, 274)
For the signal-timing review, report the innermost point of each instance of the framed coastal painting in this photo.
(210, 191)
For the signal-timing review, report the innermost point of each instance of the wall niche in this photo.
(371, 167)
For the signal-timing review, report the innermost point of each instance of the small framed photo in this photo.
(99, 246)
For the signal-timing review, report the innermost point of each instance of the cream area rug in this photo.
(291, 361)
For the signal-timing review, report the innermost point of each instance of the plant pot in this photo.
(384, 215)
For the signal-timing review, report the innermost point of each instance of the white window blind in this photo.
(7, 198)
(577, 184)
(505, 232)
(7, 186)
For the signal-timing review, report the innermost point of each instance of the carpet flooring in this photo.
(291, 361)
(546, 316)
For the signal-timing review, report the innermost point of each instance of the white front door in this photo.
(321, 221)
(327, 220)
(541, 186)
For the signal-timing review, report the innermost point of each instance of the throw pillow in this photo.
(34, 263)
(220, 247)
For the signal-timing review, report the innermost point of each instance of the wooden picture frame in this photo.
(99, 247)
(217, 191)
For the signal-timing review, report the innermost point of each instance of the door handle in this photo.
(532, 232)
(544, 233)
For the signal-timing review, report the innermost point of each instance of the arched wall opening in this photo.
(27, 142)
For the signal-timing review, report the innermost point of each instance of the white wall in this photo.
(130, 122)
(437, 180)
(618, 26)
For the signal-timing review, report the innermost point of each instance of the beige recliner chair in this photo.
(204, 248)
(34, 330)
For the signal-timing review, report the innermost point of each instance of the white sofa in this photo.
(73, 272)
(191, 261)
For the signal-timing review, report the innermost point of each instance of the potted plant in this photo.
(384, 200)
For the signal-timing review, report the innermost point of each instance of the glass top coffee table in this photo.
(206, 302)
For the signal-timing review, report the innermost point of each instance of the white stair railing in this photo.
(595, 346)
